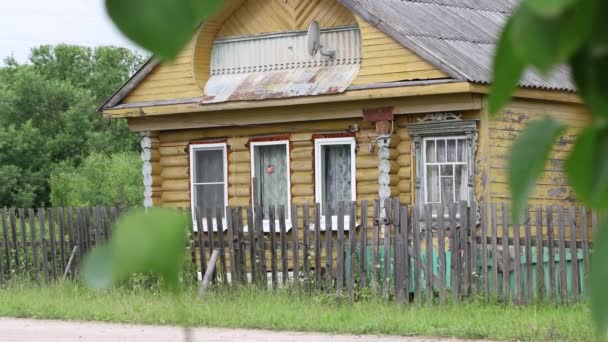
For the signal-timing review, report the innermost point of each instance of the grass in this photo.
(286, 310)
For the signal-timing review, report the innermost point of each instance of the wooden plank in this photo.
(472, 222)
(105, 223)
(352, 235)
(375, 241)
(506, 269)
(551, 253)
(62, 244)
(318, 246)
(387, 253)
(574, 274)
(585, 242)
(398, 247)
(296, 244)
(23, 229)
(97, 225)
(528, 247)
(483, 208)
(219, 214)
(405, 238)
(209, 219)
(540, 260)
(201, 243)
(14, 237)
(428, 272)
(51, 217)
(363, 246)
(328, 252)
(261, 247)
(441, 284)
(517, 261)
(563, 286)
(340, 253)
(7, 247)
(465, 243)
(230, 222)
(44, 258)
(207, 276)
(416, 250)
(32, 218)
(273, 247)
(284, 256)
(306, 239)
(454, 251)
(242, 248)
(496, 285)
(86, 227)
(252, 235)
(15, 246)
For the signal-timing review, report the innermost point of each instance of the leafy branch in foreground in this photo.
(544, 34)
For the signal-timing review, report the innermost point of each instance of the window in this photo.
(270, 165)
(445, 170)
(209, 187)
(334, 176)
(444, 149)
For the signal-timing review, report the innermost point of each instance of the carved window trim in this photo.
(442, 125)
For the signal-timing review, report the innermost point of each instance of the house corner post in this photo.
(146, 169)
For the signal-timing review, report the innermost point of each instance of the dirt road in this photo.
(20, 330)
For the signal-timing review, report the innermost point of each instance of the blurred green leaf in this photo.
(549, 8)
(162, 26)
(507, 71)
(150, 241)
(598, 280)
(590, 73)
(587, 167)
(527, 160)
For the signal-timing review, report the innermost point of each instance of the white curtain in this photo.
(336, 176)
(270, 162)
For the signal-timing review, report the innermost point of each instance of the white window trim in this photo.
(266, 223)
(319, 143)
(210, 147)
(425, 164)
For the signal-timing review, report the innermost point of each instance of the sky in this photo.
(25, 24)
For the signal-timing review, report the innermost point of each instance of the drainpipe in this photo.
(146, 168)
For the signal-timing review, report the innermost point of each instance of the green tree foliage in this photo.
(100, 180)
(48, 116)
(543, 34)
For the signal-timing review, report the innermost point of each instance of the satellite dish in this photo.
(314, 38)
(314, 42)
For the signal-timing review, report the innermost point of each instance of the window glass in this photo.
(446, 170)
(270, 168)
(209, 179)
(432, 184)
(336, 176)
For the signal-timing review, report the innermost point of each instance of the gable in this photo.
(383, 59)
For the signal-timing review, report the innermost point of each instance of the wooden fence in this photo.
(467, 251)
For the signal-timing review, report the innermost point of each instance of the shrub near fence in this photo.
(467, 252)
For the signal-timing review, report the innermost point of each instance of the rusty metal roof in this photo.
(279, 65)
(457, 36)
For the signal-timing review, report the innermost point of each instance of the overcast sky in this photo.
(25, 24)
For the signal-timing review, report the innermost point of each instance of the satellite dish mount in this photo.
(314, 42)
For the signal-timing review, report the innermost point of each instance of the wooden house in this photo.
(394, 105)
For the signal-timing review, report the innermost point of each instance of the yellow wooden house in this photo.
(390, 102)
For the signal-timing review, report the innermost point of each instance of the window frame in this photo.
(193, 148)
(425, 164)
(252, 145)
(319, 143)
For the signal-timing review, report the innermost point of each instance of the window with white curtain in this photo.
(270, 166)
(445, 169)
(209, 186)
(334, 176)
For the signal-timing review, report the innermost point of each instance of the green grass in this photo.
(286, 310)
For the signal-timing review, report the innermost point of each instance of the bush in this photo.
(100, 180)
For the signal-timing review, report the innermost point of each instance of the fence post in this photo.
(284, 256)
(540, 251)
(352, 235)
(318, 246)
(454, 251)
(7, 247)
(363, 246)
(340, 253)
(201, 242)
(506, 291)
(296, 244)
(483, 208)
(273, 246)
(563, 276)
(573, 255)
(306, 240)
(416, 249)
(375, 238)
(441, 253)
(23, 228)
(252, 243)
(329, 251)
(496, 284)
(528, 234)
(43, 244)
(219, 213)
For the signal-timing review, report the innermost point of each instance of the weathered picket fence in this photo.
(465, 252)
(430, 254)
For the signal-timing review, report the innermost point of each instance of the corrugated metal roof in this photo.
(457, 36)
(279, 65)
